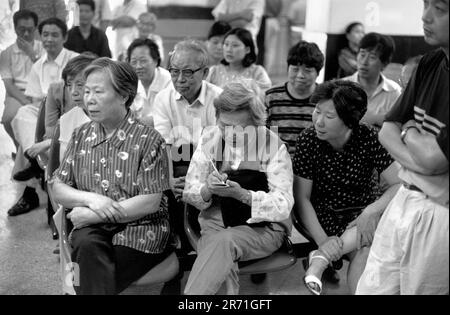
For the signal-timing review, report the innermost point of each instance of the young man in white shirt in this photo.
(46, 70)
(375, 53)
(15, 65)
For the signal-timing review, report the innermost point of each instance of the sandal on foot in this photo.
(312, 282)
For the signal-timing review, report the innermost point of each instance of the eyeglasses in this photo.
(185, 73)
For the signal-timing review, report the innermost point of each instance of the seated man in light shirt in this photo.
(375, 53)
(46, 70)
(143, 55)
(183, 109)
(15, 65)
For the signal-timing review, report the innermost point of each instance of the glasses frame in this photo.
(183, 72)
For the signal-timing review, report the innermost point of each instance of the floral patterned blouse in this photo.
(130, 163)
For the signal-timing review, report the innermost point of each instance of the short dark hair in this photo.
(219, 28)
(123, 78)
(351, 26)
(90, 3)
(308, 54)
(54, 21)
(152, 47)
(349, 98)
(383, 45)
(246, 37)
(76, 66)
(25, 15)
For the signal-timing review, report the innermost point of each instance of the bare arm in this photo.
(389, 137)
(303, 206)
(136, 208)
(14, 92)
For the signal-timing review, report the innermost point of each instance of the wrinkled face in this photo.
(356, 34)
(187, 74)
(232, 126)
(86, 14)
(369, 64)
(435, 22)
(75, 87)
(145, 26)
(52, 39)
(143, 63)
(215, 47)
(26, 29)
(103, 103)
(327, 123)
(302, 77)
(234, 50)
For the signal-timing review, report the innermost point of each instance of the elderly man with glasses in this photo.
(181, 111)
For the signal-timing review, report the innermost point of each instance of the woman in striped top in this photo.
(113, 176)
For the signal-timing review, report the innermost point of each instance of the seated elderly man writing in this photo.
(113, 176)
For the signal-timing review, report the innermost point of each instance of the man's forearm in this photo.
(14, 92)
(389, 137)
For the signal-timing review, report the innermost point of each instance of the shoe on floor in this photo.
(25, 204)
(33, 171)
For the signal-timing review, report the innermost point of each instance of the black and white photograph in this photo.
(224, 154)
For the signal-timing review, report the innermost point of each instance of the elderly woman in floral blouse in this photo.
(245, 208)
(113, 176)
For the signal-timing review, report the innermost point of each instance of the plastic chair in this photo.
(281, 259)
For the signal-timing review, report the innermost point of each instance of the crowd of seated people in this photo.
(139, 142)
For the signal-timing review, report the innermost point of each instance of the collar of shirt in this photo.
(157, 85)
(384, 85)
(201, 99)
(59, 60)
(98, 135)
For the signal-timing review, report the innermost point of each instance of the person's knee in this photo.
(12, 106)
(84, 242)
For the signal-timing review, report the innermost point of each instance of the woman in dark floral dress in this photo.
(334, 165)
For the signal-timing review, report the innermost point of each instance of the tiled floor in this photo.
(28, 266)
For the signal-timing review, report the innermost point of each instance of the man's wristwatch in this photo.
(405, 131)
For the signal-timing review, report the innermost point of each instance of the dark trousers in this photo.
(106, 269)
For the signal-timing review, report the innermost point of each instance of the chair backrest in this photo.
(191, 225)
(40, 126)
(53, 158)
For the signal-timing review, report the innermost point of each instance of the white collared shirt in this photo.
(384, 97)
(16, 65)
(143, 102)
(180, 122)
(45, 72)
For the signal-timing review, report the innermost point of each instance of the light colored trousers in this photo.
(24, 125)
(409, 254)
(219, 250)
